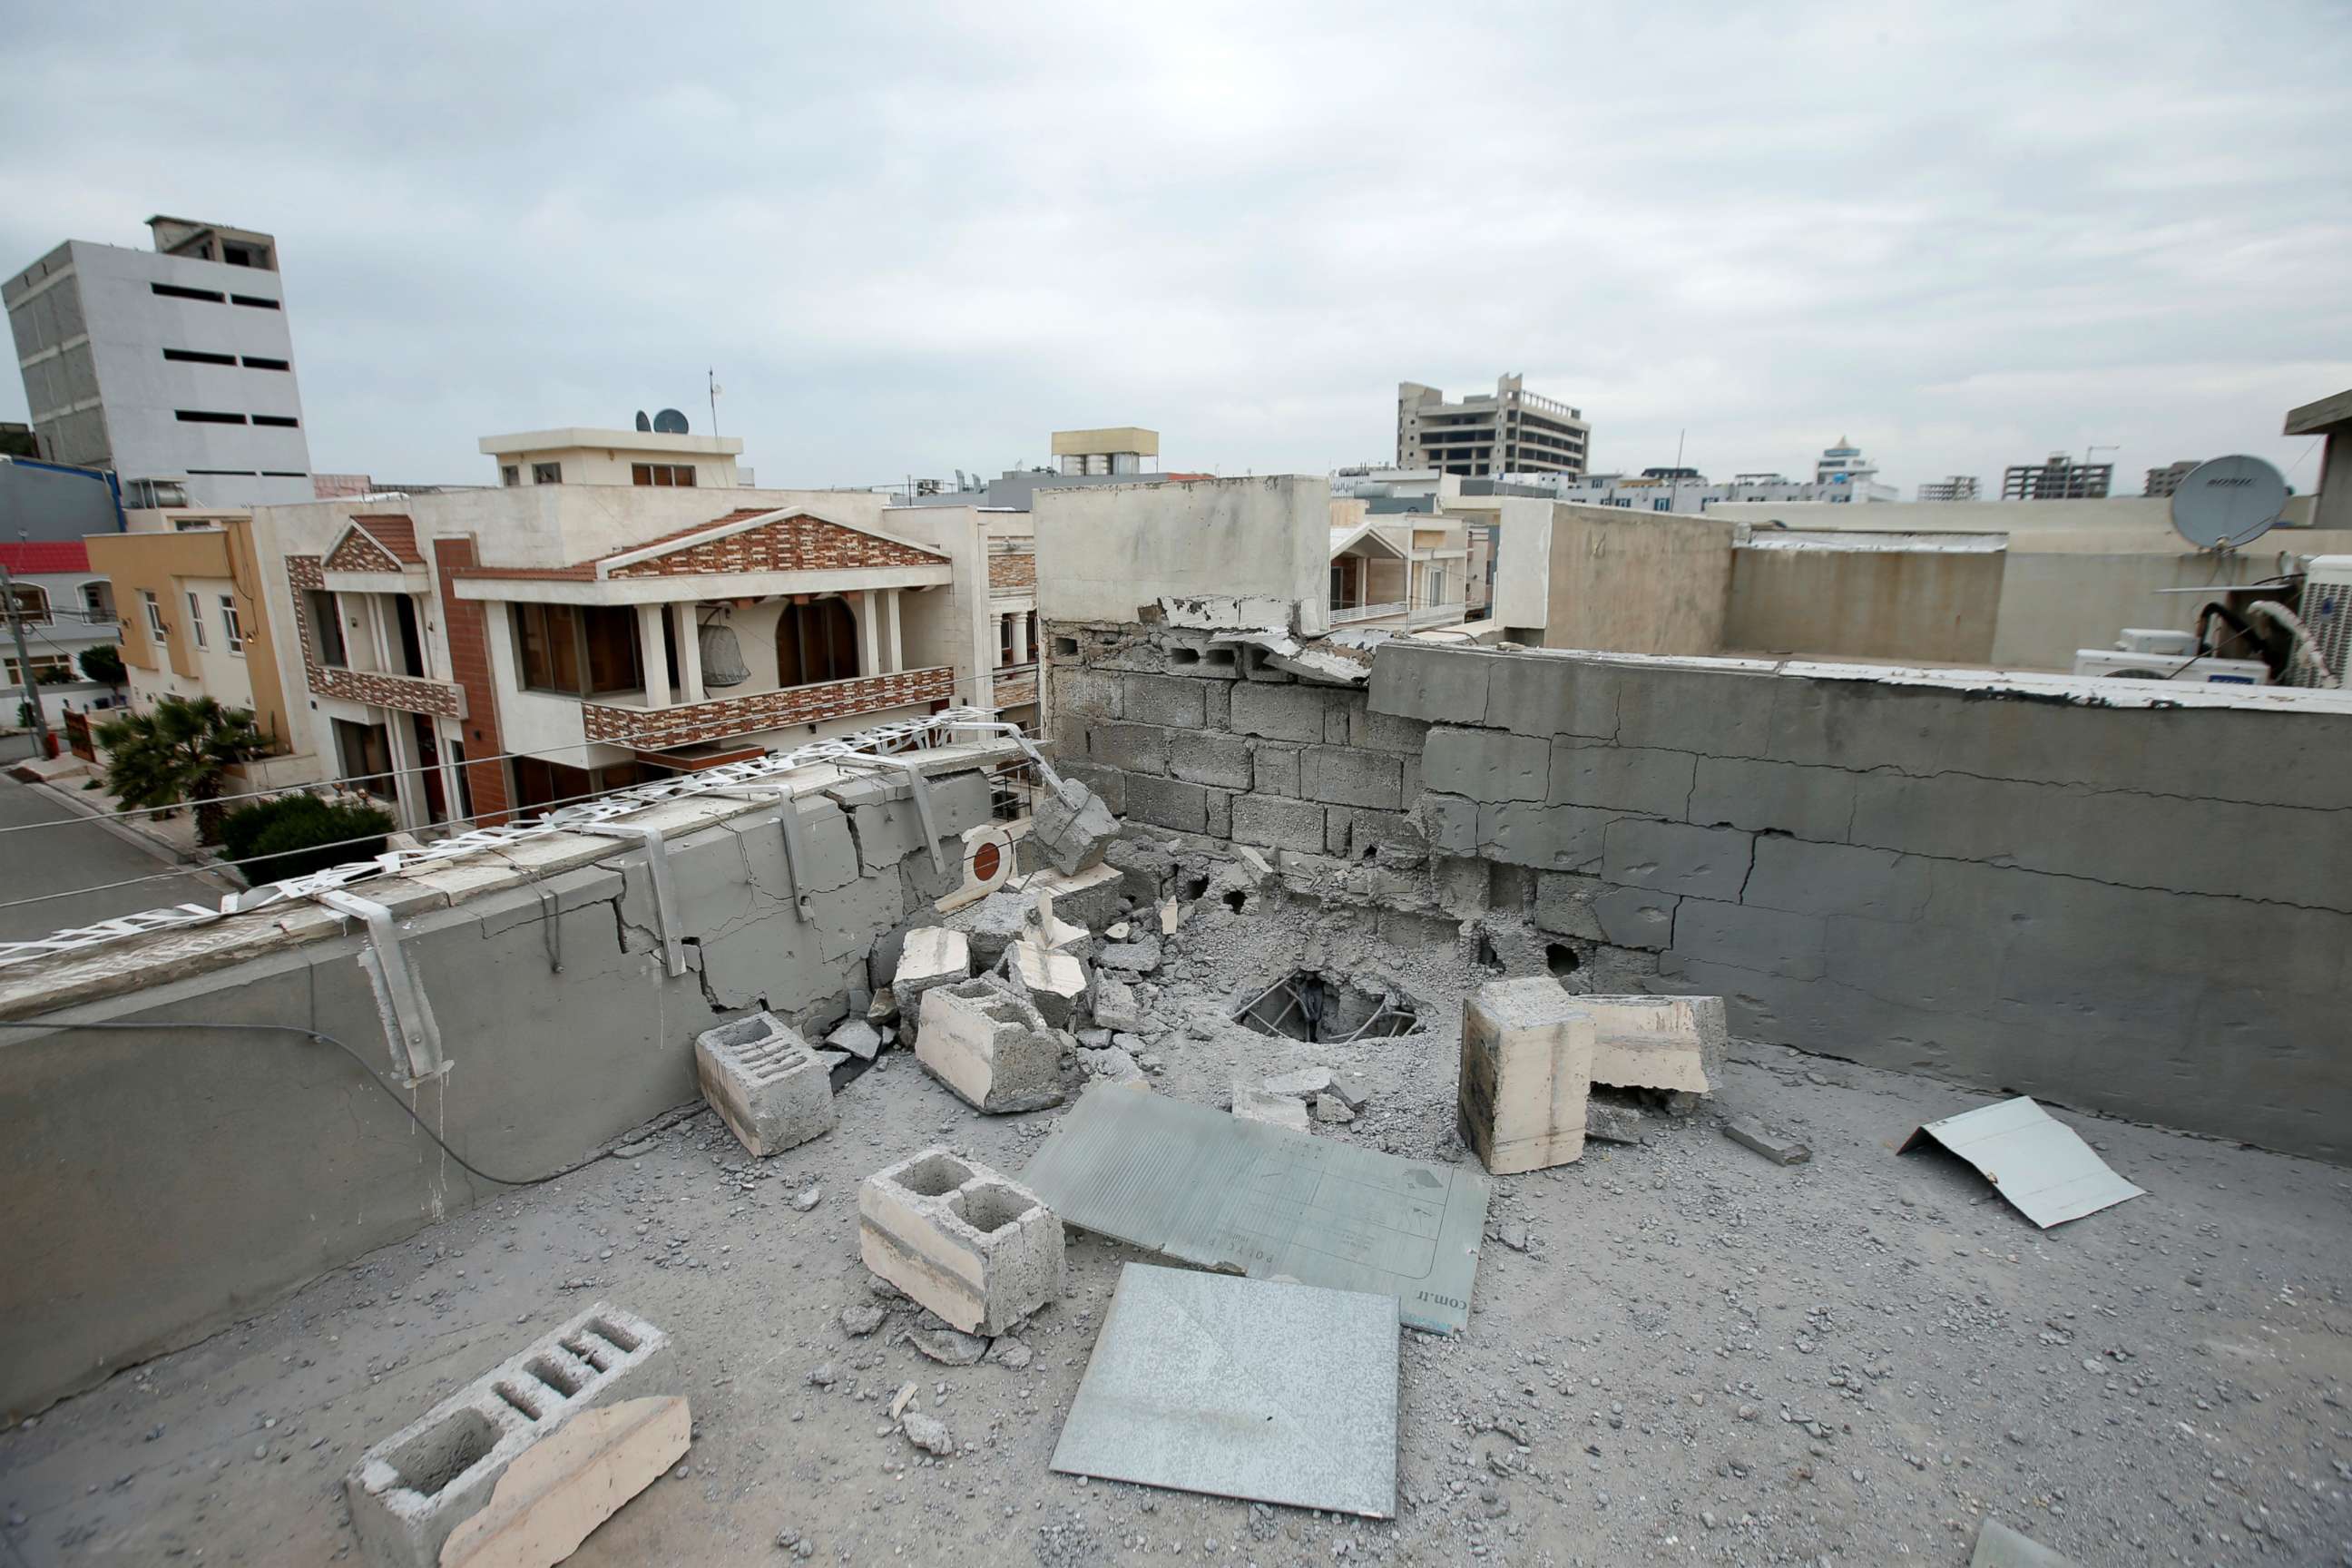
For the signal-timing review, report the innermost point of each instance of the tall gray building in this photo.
(1487, 435)
(2059, 478)
(2163, 481)
(173, 367)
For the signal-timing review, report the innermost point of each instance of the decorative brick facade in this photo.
(797, 543)
(729, 717)
(1012, 573)
(1015, 691)
(466, 623)
(402, 693)
(358, 553)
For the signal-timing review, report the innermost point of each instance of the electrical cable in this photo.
(391, 1093)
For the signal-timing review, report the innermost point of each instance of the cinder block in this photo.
(1055, 981)
(1132, 748)
(1376, 732)
(1278, 823)
(1778, 797)
(989, 1046)
(1563, 904)
(1341, 776)
(766, 1083)
(1217, 813)
(1621, 778)
(1091, 693)
(1338, 708)
(1217, 702)
(1274, 770)
(975, 1247)
(553, 1498)
(1092, 899)
(1198, 654)
(1657, 1042)
(1636, 917)
(1485, 765)
(1449, 822)
(1526, 1073)
(1071, 828)
(1167, 802)
(1772, 941)
(1674, 858)
(410, 1491)
(1541, 694)
(1547, 837)
(1717, 713)
(1200, 757)
(1112, 1001)
(1412, 680)
(1837, 880)
(1165, 700)
(995, 924)
(932, 955)
(1279, 713)
(1107, 785)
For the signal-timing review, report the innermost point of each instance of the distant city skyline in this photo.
(921, 244)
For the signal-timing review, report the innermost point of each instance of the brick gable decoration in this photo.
(795, 544)
(402, 693)
(378, 544)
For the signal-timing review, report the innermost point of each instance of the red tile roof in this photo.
(395, 531)
(39, 557)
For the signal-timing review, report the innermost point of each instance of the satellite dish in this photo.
(669, 422)
(643, 423)
(2228, 502)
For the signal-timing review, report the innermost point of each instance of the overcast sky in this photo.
(915, 240)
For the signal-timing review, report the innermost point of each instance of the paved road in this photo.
(78, 853)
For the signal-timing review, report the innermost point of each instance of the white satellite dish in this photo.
(2228, 502)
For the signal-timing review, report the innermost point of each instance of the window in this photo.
(237, 253)
(1662, 505)
(255, 361)
(279, 421)
(577, 650)
(547, 473)
(412, 642)
(662, 475)
(196, 619)
(1004, 639)
(363, 755)
(197, 356)
(155, 616)
(48, 669)
(32, 601)
(206, 417)
(325, 628)
(510, 475)
(98, 602)
(249, 299)
(817, 641)
(173, 291)
(232, 624)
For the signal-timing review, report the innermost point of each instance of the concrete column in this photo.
(652, 655)
(897, 656)
(407, 783)
(449, 736)
(869, 628)
(689, 653)
(1020, 638)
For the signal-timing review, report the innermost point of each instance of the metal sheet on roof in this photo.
(2046, 1171)
(1246, 1198)
(1242, 1388)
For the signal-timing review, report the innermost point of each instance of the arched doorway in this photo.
(816, 640)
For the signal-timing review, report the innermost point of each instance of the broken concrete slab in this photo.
(1999, 1546)
(560, 1489)
(410, 1492)
(1049, 929)
(1055, 981)
(1226, 612)
(1140, 956)
(1111, 1062)
(1754, 1135)
(1614, 1123)
(1300, 1082)
(1113, 1003)
(1526, 1073)
(771, 1089)
(994, 924)
(948, 1347)
(857, 1038)
(1244, 1388)
(978, 1249)
(1331, 1110)
(1657, 1042)
(1224, 1193)
(1252, 1103)
(1071, 828)
(2040, 1164)
(1092, 897)
(994, 1049)
(932, 956)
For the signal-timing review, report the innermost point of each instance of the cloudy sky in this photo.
(914, 239)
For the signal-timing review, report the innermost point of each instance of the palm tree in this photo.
(180, 752)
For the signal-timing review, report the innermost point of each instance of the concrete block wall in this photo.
(2140, 909)
(160, 1181)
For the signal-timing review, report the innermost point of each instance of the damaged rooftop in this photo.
(1523, 1056)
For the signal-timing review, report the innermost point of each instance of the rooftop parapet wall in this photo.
(2120, 898)
(162, 1179)
(1105, 550)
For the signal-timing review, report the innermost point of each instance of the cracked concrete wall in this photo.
(2145, 910)
(161, 1181)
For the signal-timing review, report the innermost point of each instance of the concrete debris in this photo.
(1301, 1083)
(947, 1346)
(932, 956)
(1140, 956)
(1754, 1135)
(1224, 612)
(1321, 661)
(1050, 931)
(1657, 1042)
(1331, 1110)
(1007, 1350)
(1527, 1072)
(2045, 1171)
(1117, 931)
(559, 1491)
(994, 924)
(1093, 898)
(767, 1085)
(861, 1321)
(822, 1375)
(1999, 1546)
(1614, 1123)
(857, 1038)
(1054, 983)
(1111, 1062)
(1252, 1103)
(808, 1199)
(1171, 915)
(1353, 1096)
(638, 1149)
(899, 1401)
(991, 1048)
(977, 1247)
(1072, 828)
(929, 1434)
(1113, 1003)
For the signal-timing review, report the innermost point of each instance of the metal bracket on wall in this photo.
(921, 787)
(789, 818)
(664, 900)
(408, 1024)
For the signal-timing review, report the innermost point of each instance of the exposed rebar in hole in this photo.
(1324, 1007)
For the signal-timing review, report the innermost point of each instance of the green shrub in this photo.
(296, 835)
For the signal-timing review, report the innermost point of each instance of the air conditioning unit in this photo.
(2148, 639)
(2327, 615)
(2171, 667)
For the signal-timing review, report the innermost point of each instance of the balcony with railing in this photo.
(1350, 614)
(633, 723)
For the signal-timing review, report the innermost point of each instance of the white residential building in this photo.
(649, 459)
(173, 367)
(1957, 487)
(65, 609)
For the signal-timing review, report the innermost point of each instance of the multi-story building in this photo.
(1120, 449)
(172, 367)
(64, 609)
(650, 460)
(1508, 431)
(1686, 491)
(2165, 481)
(2059, 478)
(1956, 486)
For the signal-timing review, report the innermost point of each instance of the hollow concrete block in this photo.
(1071, 828)
(975, 1247)
(1092, 897)
(932, 955)
(992, 1049)
(1657, 1042)
(1527, 1075)
(1055, 981)
(766, 1083)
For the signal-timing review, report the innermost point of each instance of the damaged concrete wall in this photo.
(2145, 910)
(1116, 548)
(161, 1181)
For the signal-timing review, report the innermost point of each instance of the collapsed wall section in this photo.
(2143, 910)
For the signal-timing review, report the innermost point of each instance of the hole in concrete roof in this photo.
(1235, 899)
(1313, 1005)
(1560, 958)
(1194, 887)
(1488, 957)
